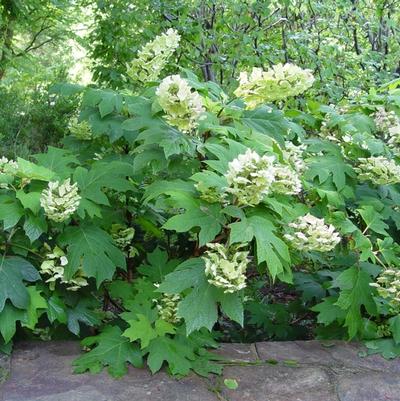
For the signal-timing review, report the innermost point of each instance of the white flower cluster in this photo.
(293, 155)
(389, 124)
(384, 120)
(379, 170)
(167, 307)
(251, 177)
(153, 57)
(226, 266)
(54, 266)
(277, 83)
(312, 234)
(122, 237)
(286, 181)
(211, 194)
(80, 130)
(182, 106)
(9, 167)
(60, 200)
(388, 287)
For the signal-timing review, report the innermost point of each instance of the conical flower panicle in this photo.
(388, 287)
(378, 170)
(226, 266)
(250, 177)
(153, 57)
(310, 233)
(182, 106)
(277, 83)
(60, 200)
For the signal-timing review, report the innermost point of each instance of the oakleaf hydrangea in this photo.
(310, 233)
(153, 57)
(388, 123)
(226, 266)
(122, 237)
(293, 155)
(388, 287)
(167, 307)
(250, 177)
(60, 200)
(379, 170)
(384, 120)
(8, 169)
(286, 181)
(182, 105)
(277, 83)
(54, 265)
(80, 130)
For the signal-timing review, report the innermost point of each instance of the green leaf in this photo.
(158, 267)
(199, 308)
(355, 293)
(394, 324)
(329, 312)
(84, 312)
(177, 355)
(93, 249)
(56, 310)
(10, 211)
(8, 321)
(232, 306)
(32, 171)
(34, 226)
(30, 200)
(13, 271)
(232, 384)
(37, 302)
(373, 220)
(385, 346)
(270, 248)
(111, 350)
(188, 274)
(57, 160)
(267, 121)
(329, 166)
(197, 214)
(111, 175)
(140, 329)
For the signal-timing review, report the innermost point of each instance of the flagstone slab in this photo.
(43, 372)
(271, 371)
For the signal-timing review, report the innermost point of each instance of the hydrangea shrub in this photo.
(175, 207)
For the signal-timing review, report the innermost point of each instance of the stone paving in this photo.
(273, 371)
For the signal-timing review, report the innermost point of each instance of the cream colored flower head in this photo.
(277, 83)
(60, 200)
(388, 287)
(309, 233)
(167, 307)
(80, 130)
(226, 266)
(293, 155)
(54, 266)
(182, 105)
(250, 177)
(8, 167)
(286, 181)
(153, 57)
(378, 170)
